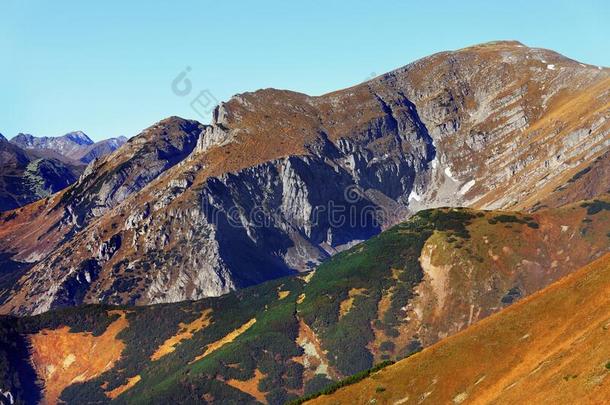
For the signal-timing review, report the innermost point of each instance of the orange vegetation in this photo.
(62, 358)
(548, 348)
(185, 332)
(250, 386)
(347, 304)
(314, 358)
(212, 347)
(119, 390)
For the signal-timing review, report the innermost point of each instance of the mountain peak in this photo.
(78, 137)
(500, 43)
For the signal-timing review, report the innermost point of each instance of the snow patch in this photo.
(449, 174)
(467, 186)
(550, 67)
(414, 196)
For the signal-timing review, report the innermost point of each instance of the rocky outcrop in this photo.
(282, 180)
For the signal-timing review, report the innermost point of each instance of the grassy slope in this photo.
(549, 348)
(387, 270)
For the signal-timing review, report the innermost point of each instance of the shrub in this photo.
(386, 346)
(596, 206)
(345, 382)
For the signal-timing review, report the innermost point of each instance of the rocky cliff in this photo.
(282, 180)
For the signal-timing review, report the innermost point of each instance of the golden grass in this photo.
(250, 386)
(282, 294)
(185, 332)
(62, 358)
(548, 348)
(307, 277)
(119, 390)
(212, 347)
(346, 304)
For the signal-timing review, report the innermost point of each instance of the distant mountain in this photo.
(32, 167)
(551, 348)
(184, 210)
(441, 272)
(68, 144)
(102, 148)
(74, 146)
(26, 177)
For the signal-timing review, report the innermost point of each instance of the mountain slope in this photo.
(26, 177)
(101, 148)
(490, 126)
(549, 348)
(402, 290)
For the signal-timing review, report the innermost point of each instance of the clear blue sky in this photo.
(106, 67)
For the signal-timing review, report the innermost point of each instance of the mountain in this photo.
(26, 177)
(549, 348)
(280, 181)
(102, 148)
(73, 146)
(68, 145)
(407, 288)
(32, 168)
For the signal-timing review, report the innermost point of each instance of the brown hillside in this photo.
(549, 348)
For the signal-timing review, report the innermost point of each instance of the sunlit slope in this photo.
(553, 347)
(401, 291)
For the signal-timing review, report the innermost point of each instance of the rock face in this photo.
(282, 180)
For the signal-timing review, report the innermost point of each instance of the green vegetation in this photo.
(507, 219)
(580, 174)
(384, 266)
(378, 277)
(347, 381)
(596, 206)
(372, 265)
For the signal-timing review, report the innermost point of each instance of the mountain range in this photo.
(174, 213)
(73, 145)
(297, 241)
(32, 168)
